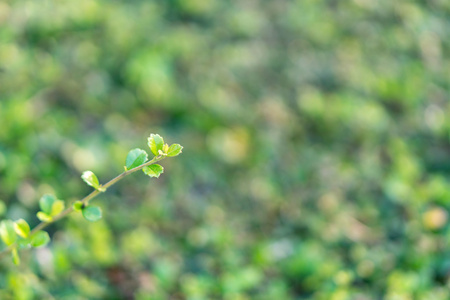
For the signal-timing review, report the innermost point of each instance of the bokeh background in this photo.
(316, 136)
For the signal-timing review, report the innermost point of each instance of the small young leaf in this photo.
(135, 158)
(46, 203)
(78, 205)
(7, 233)
(15, 256)
(174, 150)
(44, 217)
(92, 213)
(40, 238)
(165, 149)
(91, 179)
(156, 143)
(57, 207)
(153, 170)
(22, 228)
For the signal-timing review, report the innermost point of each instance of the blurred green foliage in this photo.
(317, 147)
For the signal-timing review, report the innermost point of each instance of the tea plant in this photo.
(18, 234)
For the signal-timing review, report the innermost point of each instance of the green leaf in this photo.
(22, 228)
(135, 158)
(44, 217)
(46, 203)
(91, 179)
(57, 207)
(7, 232)
(92, 213)
(15, 256)
(156, 143)
(40, 238)
(153, 170)
(165, 148)
(174, 150)
(78, 205)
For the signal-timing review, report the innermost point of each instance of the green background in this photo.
(316, 160)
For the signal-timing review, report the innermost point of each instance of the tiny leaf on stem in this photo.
(44, 217)
(7, 232)
(174, 150)
(40, 238)
(46, 203)
(91, 179)
(22, 228)
(92, 213)
(57, 207)
(156, 143)
(135, 158)
(78, 205)
(165, 149)
(153, 170)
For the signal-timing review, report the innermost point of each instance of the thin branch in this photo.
(85, 200)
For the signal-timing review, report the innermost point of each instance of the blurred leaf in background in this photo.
(316, 160)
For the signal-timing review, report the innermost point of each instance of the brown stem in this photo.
(85, 200)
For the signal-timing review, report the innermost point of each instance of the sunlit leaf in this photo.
(22, 228)
(135, 158)
(57, 207)
(91, 179)
(156, 143)
(44, 217)
(174, 150)
(7, 232)
(153, 170)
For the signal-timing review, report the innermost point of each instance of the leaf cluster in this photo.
(18, 235)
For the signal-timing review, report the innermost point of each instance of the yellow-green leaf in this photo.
(44, 217)
(7, 232)
(153, 170)
(174, 150)
(155, 143)
(22, 228)
(57, 207)
(91, 179)
(78, 205)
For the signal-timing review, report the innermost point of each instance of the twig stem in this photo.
(86, 199)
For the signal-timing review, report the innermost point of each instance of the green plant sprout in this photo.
(18, 235)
